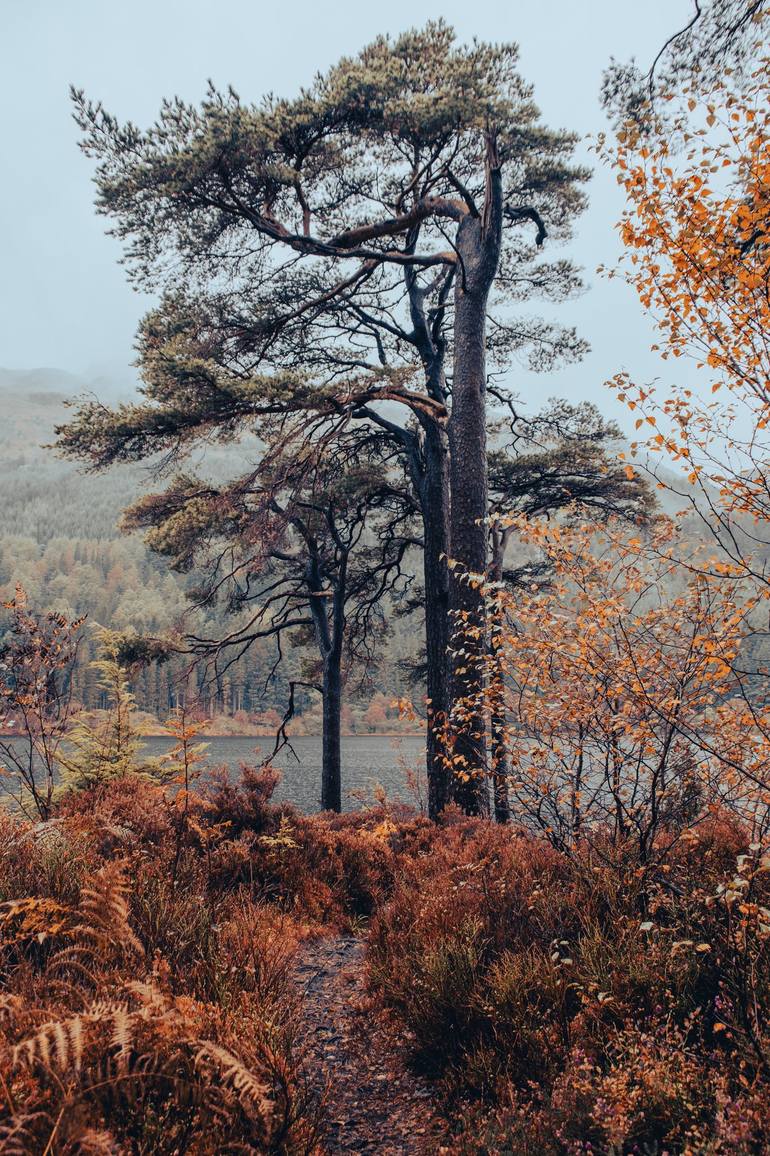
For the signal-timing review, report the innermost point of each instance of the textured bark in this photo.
(429, 468)
(500, 768)
(468, 540)
(331, 773)
(498, 750)
(478, 246)
(330, 631)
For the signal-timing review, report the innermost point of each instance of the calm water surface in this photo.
(367, 760)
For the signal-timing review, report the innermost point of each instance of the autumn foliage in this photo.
(617, 691)
(695, 231)
(602, 980)
(577, 1002)
(126, 997)
(147, 941)
(589, 974)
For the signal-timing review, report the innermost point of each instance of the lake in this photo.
(366, 761)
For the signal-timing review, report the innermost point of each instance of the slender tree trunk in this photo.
(468, 475)
(331, 772)
(478, 247)
(500, 768)
(497, 722)
(330, 631)
(434, 499)
(429, 467)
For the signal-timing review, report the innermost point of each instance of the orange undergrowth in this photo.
(573, 1005)
(566, 1003)
(146, 941)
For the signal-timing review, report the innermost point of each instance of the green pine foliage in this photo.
(107, 746)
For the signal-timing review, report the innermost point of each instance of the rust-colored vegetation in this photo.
(554, 999)
(591, 974)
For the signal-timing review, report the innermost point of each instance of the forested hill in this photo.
(44, 497)
(59, 538)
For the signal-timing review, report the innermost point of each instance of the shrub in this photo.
(153, 1016)
(583, 1003)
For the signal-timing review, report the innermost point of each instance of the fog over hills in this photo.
(106, 382)
(60, 538)
(48, 497)
(45, 497)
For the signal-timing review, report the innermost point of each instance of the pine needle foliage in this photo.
(108, 747)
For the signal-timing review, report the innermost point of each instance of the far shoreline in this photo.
(248, 735)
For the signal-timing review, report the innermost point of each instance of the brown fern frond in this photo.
(16, 1135)
(98, 1143)
(104, 904)
(76, 1042)
(234, 1075)
(60, 1041)
(101, 1010)
(113, 1054)
(43, 1046)
(56, 1046)
(76, 962)
(102, 930)
(121, 1028)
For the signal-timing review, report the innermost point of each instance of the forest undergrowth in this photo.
(557, 1002)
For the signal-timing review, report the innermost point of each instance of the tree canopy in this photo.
(338, 251)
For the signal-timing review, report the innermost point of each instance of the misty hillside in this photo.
(43, 496)
(60, 538)
(46, 496)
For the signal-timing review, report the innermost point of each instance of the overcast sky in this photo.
(64, 299)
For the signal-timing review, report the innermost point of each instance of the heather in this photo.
(582, 1005)
(147, 945)
(553, 1001)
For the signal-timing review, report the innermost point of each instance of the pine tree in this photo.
(363, 231)
(105, 747)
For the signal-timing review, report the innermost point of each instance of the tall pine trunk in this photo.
(331, 772)
(468, 476)
(429, 468)
(478, 247)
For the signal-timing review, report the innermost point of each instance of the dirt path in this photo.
(373, 1104)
